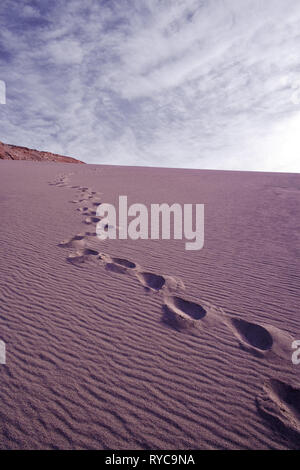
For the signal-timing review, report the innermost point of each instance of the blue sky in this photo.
(194, 84)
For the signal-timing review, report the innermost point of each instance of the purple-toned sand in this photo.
(123, 344)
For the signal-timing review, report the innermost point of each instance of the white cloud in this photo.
(30, 12)
(65, 52)
(211, 84)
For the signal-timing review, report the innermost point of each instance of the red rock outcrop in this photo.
(13, 152)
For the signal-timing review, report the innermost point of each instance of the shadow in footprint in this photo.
(89, 251)
(152, 281)
(79, 237)
(76, 259)
(289, 395)
(91, 220)
(255, 335)
(81, 256)
(115, 268)
(182, 314)
(124, 262)
(279, 403)
(192, 309)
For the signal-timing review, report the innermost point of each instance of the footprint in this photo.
(80, 236)
(279, 403)
(91, 213)
(76, 258)
(115, 268)
(83, 199)
(91, 234)
(61, 181)
(151, 281)
(80, 256)
(286, 191)
(183, 314)
(193, 310)
(261, 340)
(91, 220)
(257, 336)
(124, 262)
(117, 265)
(90, 251)
(76, 242)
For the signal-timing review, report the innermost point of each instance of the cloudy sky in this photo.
(192, 83)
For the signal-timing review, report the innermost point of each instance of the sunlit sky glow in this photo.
(194, 84)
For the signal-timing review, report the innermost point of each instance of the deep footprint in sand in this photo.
(115, 268)
(91, 220)
(78, 241)
(279, 403)
(91, 213)
(183, 314)
(124, 262)
(261, 340)
(81, 256)
(91, 234)
(117, 265)
(151, 281)
(255, 335)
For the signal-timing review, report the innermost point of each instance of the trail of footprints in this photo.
(279, 402)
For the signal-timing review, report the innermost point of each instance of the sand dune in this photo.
(122, 344)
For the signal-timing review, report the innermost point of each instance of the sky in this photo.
(211, 84)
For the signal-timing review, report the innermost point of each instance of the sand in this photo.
(123, 344)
